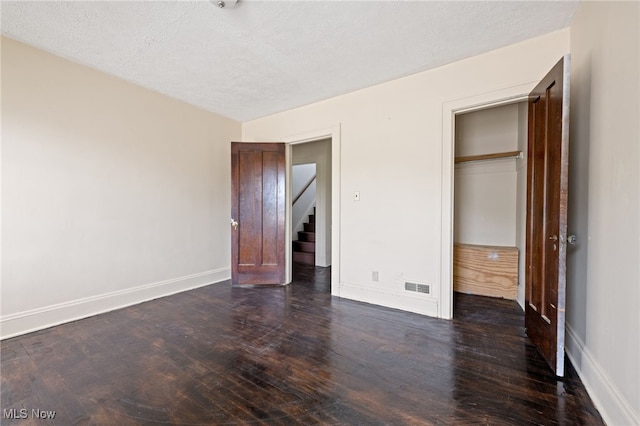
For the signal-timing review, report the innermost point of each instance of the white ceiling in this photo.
(262, 57)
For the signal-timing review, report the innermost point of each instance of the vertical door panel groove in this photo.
(547, 192)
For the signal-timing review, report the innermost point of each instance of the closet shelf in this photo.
(483, 157)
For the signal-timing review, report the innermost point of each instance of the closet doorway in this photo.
(490, 186)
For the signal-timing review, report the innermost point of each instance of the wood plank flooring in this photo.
(282, 356)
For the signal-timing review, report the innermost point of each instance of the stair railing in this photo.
(297, 197)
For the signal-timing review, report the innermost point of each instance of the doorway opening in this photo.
(322, 149)
(490, 187)
(303, 210)
(450, 110)
(311, 202)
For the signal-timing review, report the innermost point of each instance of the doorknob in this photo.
(234, 224)
(554, 238)
(571, 239)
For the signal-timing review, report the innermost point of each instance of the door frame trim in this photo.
(332, 133)
(450, 109)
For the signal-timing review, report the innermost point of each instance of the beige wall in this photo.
(391, 151)
(111, 194)
(603, 290)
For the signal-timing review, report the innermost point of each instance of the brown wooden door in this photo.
(547, 190)
(258, 213)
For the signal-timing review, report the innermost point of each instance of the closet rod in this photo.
(483, 157)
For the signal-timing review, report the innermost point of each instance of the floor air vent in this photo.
(418, 288)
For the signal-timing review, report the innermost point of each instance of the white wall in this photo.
(485, 191)
(391, 151)
(300, 175)
(111, 194)
(485, 203)
(603, 288)
(487, 131)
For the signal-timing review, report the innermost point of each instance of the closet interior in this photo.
(490, 186)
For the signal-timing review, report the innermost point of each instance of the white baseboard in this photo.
(48, 316)
(417, 303)
(613, 407)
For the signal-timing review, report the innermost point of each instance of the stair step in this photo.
(305, 246)
(312, 218)
(304, 258)
(309, 227)
(307, 236)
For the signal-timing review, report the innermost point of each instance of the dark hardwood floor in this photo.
(293, 355)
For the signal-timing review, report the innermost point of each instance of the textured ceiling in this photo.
(262, 57)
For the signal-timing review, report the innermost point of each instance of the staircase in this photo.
(304, 248)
